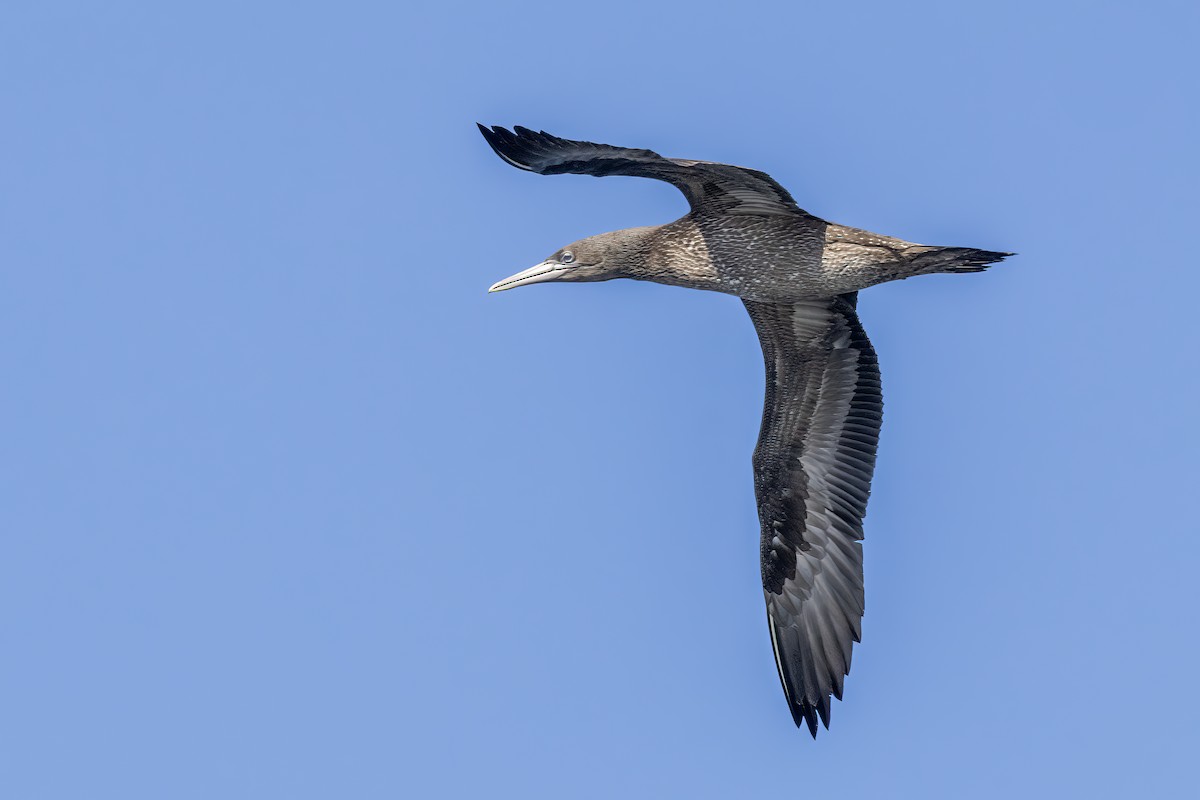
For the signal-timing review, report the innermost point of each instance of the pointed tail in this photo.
(956, 259)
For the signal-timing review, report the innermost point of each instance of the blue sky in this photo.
(290, 507)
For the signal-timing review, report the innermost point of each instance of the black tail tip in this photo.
(970, 259)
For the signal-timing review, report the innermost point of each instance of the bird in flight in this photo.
(799, 277)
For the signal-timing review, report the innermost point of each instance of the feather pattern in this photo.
(798, 276)
(708, 186)
(812, 475)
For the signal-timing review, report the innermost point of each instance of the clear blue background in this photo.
(292, 508)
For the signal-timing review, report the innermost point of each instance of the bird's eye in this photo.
(567, 257)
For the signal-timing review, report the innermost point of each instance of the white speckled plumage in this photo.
(798, 276)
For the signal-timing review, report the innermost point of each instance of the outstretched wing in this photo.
(709, 187)
(812, 476)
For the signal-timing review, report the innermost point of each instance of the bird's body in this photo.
(778, 259)
(798, 276)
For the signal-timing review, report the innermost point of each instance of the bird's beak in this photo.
(545, 271)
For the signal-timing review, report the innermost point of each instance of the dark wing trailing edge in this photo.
(812, 476)
(720, 188)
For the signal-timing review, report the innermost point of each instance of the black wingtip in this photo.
(823, 710)
(489, 134)
(804, 714)
(516, 147)
(810, 717)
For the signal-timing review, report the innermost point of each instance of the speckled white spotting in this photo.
(815, 456)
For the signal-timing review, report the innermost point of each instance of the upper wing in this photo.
(812, 475)
(720, 188)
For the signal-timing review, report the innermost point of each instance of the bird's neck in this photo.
(665, 254)
(626, 251)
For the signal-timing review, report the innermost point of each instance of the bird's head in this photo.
(596, 258)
